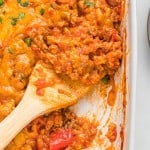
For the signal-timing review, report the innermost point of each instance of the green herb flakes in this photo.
(1, 2)
(88, 3)
(28, 41)
(18, 1)
(10, 51)
(105, 79)
(21, 15)
(14, 21)
(23, 4)
(22, 76)
(1, 20)
(42, 11)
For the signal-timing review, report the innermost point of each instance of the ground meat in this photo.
(113, 2)
(82, 47)
(77, 57)
(112, 132)
(37, 134)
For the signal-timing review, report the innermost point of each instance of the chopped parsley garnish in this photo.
(28, 41)
(42, 11)
(18, 1)
(1, 20)
(22, 76)
(14, 20)
(1, 2)
(9, 50)
(23, 4)
(105, 79)
(88, 3)
(21, 15)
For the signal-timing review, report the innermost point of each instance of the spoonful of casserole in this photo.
(46, 92)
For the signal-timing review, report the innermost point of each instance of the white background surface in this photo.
(142, 126)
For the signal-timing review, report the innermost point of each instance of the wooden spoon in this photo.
(45, 92)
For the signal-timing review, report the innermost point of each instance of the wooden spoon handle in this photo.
(14, 123)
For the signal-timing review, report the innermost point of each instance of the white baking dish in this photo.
(96, 107)
(132, 74)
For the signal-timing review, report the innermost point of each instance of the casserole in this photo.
(96, 105)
